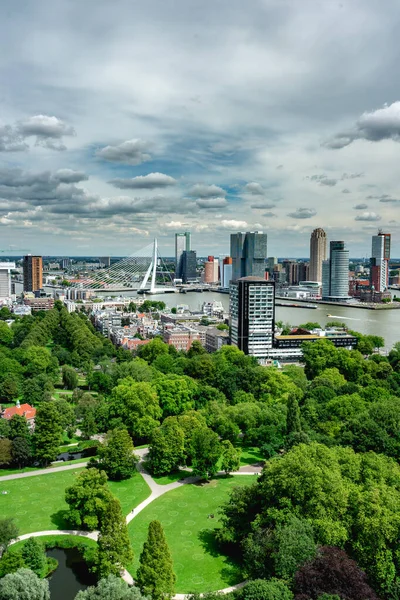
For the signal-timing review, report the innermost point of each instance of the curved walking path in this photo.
(156, 489)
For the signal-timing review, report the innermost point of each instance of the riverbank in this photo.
(363, 305)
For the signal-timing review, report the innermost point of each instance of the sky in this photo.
(127, 120)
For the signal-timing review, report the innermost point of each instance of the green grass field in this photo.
(37, 502)
(184, 515)
(171, 477)
(251, 456)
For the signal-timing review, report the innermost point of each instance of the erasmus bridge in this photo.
(143, 271)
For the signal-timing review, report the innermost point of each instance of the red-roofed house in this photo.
(24, 410)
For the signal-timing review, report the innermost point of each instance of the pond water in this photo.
(71, 576)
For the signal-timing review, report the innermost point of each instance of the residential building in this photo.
(5, 278)
(105, 260)
(335, 273)
(180, 337)
(252, 315)
(65, 263)
(182, 244)
(249, 252)
(317, 254)
(215, 339)
(39, 303)
(214, 308)
(23, 410)
(379, 263)
(209, 270)
(226, 274)
(188, 266)
(271, 262)
(33, 273)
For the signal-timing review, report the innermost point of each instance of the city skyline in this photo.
(211, 119)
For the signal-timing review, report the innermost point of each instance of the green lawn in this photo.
(251, 456)
(37, 502)
(171, 477)
(184, 515)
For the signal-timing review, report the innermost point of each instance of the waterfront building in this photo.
(252, 315)
(106, 261)
(182, 244)
(317, 254)
(248, 252)
(335, 273)
(226, 274)
(33, 273)
(379, 263)
(188, 266)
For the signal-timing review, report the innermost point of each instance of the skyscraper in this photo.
(5, 278)
(182, 243)
(248, 252)
(33, 273)
(252, 315)
(335, 273)
(317, 254)
(379, 263)
(188, 266)
(226, 274)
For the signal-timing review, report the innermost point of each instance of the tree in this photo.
(205, 451)
(19, 427)
(111, 588)
(167, 447)
(332, 572)
(48, 432)
(4, 428)
(88, 498)
(155, 575)
(135, 405)
(259, 589)
(295, 545)
(6, 334)
(115, 455)
(69, 377)
(8, 532)
(24, 585)
(37, 389)
(11, 562)
(21, 451)
(230, 457)
(293, 424)
(34, 556)
(10, 387)
(39, 360)
(175, 394)
(113, 547)
(150, 351)
(66, 413)
(5, 451)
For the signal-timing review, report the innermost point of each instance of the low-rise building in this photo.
(215, 339)
(180, 337)
(39, 303)
(23, 410)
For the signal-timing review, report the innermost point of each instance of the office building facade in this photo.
(379, 263)
(249, 253)
(182, 244)
(5, 278)
(252, 315)
(33, 273)
(226, 274)
(335, 273)
(188, 266)
(317, 254)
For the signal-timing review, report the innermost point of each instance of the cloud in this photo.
(262, 205)
(10, 141)
(375, 126)
(131, 152)
(360, 206)
(303, 213)
(368, 216)
(149, 182)
(346, 191)
(70, 176)
(323, 180)
(256, 189)
(201, 190)
(269, 214)
(211, 202)
(351, 176)
(48, 131)
(233, 224)
(329, 182)
(384, 198)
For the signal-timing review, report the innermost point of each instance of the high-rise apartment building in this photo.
(379, 263)
(252, 315)
(5, 278)
(248, 252)
(182, 244)
(317, 254)
(188, 266)
(210, 266)
(105, 260)
(33, 273)
(335, 273)
(226, 274)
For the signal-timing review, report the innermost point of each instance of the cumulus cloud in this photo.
(70, 176)
(374, 126)
(269, 215)
(361, 206)
(303, 213)
(256, 189)
(323, 180)
(131, 152)
(10, 141)
(233, 224)
(383, 198)
(351, 176)
(211, 203)
(201, 190)
(262, 205)
(328, 181)
(346, 191)
(368, 216)
(148, 182)
(48, 131)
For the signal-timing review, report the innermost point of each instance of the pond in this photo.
(71, 576)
